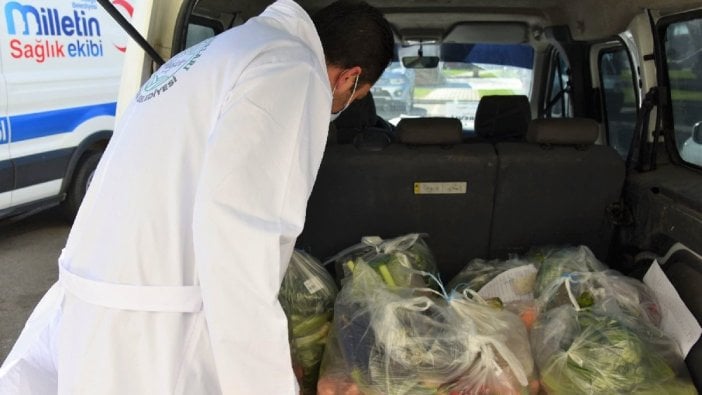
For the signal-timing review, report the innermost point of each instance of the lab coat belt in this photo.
(175, 299)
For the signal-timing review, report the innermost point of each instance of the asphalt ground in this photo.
(29, 249)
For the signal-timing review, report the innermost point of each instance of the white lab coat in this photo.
(169, 279)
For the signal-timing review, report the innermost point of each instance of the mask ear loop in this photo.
(353, 92)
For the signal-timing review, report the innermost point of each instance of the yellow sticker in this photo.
(440, 188)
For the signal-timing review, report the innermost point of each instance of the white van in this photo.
(60, 67)
(581, 125)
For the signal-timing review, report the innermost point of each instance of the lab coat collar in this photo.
(298, 23)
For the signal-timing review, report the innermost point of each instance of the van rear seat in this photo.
(388, 193)
(555, 188)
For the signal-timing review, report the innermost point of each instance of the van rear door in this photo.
(663, 190)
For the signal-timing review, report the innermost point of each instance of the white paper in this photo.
(512, 285)
(677, 320)
(313, 285)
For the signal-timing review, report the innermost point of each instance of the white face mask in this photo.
(335, 115)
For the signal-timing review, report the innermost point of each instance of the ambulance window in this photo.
(683, 52)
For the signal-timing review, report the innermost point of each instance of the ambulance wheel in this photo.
(82, 176)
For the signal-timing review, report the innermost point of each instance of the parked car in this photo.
(394, 91)
(692, 147)
(562, 162)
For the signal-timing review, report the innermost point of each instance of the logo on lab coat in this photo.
(166, 76)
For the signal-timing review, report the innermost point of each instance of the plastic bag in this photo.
(478, 272)
(404, 261)
(614, 294)
(553, 263)
(507, 283)
(307, 296)
(334, 376)
(396, 340)
(589, 351)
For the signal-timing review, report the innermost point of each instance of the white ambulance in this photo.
(60, 67)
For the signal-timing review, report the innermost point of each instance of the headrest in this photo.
(372, 139)
(502, 116)
(427, 131)
(563, 131)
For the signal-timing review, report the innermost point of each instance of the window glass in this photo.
(558, 103)
(619, 97)
(465, 73)
(198, 33)
(683, 49)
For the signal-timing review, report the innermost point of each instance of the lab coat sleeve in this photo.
(260, 164)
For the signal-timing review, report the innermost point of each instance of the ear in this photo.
(347, 79)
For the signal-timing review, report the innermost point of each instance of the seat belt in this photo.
(633, 159)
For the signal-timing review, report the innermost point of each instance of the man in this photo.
(168, 283)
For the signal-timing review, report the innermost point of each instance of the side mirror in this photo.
(697, 133)
(420, 62)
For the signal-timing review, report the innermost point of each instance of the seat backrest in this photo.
(502, 117)
(555, 188)
(423, 184)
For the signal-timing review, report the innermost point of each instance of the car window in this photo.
(198, 33)
(619, 97)
(683, 51)
(558, 102)
(200, 29)
(465, 73)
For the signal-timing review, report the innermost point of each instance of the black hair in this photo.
(353, 33)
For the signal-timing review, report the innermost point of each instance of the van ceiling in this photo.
(587, 19)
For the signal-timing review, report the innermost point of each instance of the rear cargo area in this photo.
(520, 199)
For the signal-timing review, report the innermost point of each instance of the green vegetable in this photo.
(405, 261)
(495, 303)
(600, 355)
(385, 274)
(307, 296)
(556, 263)
(586, 299)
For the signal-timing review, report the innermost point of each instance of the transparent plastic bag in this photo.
(554, 262)
(307, 295)
(334, 376)
(504, 364)
(478, 272)
(588, 351)
(403, 261)
(396, 340)
(507, 283)
(613, 293)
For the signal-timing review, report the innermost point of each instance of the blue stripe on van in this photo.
(48, 123)
(4, 131)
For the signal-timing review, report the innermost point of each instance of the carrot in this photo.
(528, 316)
(337, 385)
